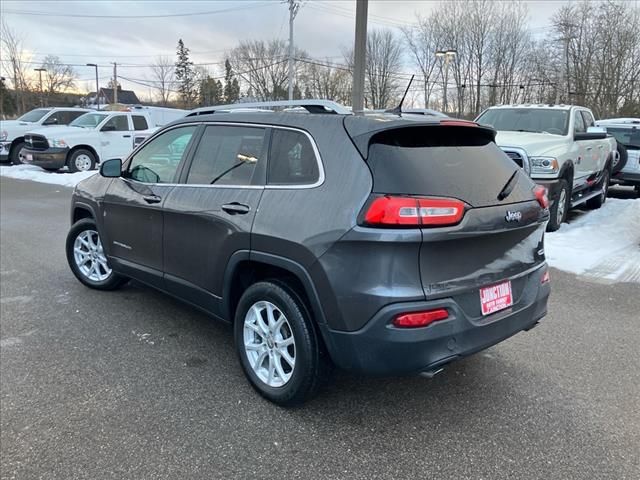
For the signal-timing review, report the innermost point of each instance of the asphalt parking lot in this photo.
(133, 384)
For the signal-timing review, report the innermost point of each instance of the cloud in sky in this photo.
(324, 28)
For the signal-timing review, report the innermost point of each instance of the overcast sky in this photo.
(323, 28)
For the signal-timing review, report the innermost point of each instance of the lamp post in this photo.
(446, 56)
(40, 70)
(97, 88)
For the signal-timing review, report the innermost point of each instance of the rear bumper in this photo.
(49, 158)
(381, 349)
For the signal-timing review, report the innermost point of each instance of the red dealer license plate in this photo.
(496, 298)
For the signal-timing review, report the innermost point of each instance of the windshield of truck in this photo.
(537, 120)
(34, 115)
(88, 120)
(629, 137)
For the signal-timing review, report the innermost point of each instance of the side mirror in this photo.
(111, 168)
(108, 128)
(590, 135)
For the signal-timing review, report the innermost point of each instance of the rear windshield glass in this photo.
(34, 115)
(537, 120)
(629, 137)
(444, 161)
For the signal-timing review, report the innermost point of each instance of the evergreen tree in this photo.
(231, 85)
(211, 92)
(297, 94)
(8, 104)
(185, 76)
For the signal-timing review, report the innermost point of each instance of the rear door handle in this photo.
(152, 198)
(126, 136)
(236, 208)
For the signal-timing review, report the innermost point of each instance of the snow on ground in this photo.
(602, 244)
(37, 174)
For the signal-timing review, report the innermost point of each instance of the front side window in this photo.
(89, 120)
(579, 127)
(227, 155)
(139, 122)
(158, 160)
(292, 160)
(117, 123)
(588, 119)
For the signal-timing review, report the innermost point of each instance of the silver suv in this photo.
(627, 133)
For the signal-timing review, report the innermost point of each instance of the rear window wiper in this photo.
(508, 188)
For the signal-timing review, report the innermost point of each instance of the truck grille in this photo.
(519, 157)
(36, 142)
(515, 156)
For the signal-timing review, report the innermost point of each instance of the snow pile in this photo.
(37, 174)
(603, 244)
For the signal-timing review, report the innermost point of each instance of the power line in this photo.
(133, 17)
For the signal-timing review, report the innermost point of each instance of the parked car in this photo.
(560, 148)
(378, 244)
(90, 139)
(12, 131)
(627, 133)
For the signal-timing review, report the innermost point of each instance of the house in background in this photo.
(106, 97)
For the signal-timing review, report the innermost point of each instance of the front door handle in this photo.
(236, 208)
(126, 136)
(152, 198)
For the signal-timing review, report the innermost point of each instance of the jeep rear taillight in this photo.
(541, 195)
(411, 211)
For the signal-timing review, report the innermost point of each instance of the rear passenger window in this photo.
(292, 160)
(139, 122)
(72, 115)
(120, 122)
(227, 155)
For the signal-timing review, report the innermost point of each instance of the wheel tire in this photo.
(81, 161)
(311, 364)
(597, 202)
(559, 209)
(623, 155)
(15, 153)
(110, 280)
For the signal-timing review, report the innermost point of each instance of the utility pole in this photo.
(115, 82)
(97, 87)
(294, 6)
(40, 70)
(359, 56)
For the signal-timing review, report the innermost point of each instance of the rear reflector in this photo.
(545, 277)
(420, 319)
(541, 195)
(414, 211)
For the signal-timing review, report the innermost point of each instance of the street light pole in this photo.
(359, 57)
(40, 70)
(293, 10)
(97, 88)
(446, 56)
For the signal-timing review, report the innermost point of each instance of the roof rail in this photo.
(311, 106)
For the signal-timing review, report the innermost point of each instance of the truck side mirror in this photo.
(111, 168)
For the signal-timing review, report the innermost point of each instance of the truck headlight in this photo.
(3, 135)
(57, 143)
(544, 165)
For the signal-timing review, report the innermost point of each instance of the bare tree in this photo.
(58, 76)
(423, 42)
(16, 65)
(327, 81)
(163, 73)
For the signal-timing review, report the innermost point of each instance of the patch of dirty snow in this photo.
(37, 174)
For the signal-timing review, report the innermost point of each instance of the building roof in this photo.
(126, 97)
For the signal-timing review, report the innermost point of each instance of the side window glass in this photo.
(227, 155)
(578, 126)
(117, 123)
(292, 160)
(158, 160)
(139, 122)
(73, 115)
(53, 119)
(588, 119)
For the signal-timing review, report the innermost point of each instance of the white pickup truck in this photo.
(92, 138)
(12, 131)
(560, 148)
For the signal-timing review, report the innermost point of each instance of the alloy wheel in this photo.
(562, 206)
(269, 344)
(89, 256)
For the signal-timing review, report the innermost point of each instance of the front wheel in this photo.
(87, 259)
(278, 347)
(558, 211)
(81, 161)
(17, 153)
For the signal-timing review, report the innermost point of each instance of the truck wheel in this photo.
(278, 346)
(597, 202)
(559, 209)
(81, 161)
(621, 160)
(16, 153)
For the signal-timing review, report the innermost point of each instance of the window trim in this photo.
(319, 182)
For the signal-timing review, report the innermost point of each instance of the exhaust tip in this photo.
(431, 373)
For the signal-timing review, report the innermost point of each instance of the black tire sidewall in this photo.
(622, 161)
(15, 154)
(300, 386)
(71, 165)
(555, 223)
(110, 283)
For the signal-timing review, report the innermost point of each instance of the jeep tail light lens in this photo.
(545, 277)
(541, 195)
(420, 319)
(389, 210)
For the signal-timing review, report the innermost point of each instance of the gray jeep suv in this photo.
(377, 244)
